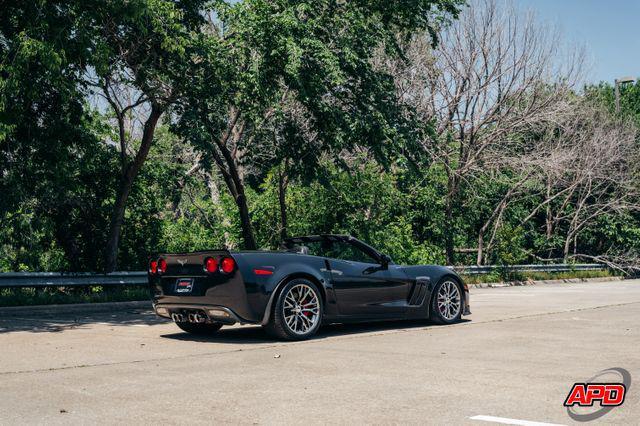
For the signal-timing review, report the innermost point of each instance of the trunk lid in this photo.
(190, 264)
(183, 268)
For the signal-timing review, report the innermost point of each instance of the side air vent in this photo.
(419, 291)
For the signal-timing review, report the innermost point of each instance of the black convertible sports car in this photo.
(312, 280)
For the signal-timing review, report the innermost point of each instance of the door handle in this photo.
(371, 270)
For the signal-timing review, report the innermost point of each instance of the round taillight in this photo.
(227, 265)
(162, 266)
(153, 266)
(210, 265)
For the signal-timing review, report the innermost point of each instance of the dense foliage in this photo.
(233, 124)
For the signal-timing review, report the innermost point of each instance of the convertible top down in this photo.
(291, 292)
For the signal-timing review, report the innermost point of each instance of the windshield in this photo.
(335, 250)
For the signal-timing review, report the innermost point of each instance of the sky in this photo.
(609, 30)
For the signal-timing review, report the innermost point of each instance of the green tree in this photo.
(54, 54)
(141, 47)
(49, 143)
(259, 55)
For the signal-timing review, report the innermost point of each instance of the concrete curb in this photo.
(534, 282)
(76, 308)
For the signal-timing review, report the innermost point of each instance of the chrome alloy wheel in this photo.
(301, 309)
(449, 301)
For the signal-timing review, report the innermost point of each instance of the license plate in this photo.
(184, 285)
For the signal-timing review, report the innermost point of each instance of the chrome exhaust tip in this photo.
(177, 317)
(199, 317)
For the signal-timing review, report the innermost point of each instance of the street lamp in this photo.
(618, 82)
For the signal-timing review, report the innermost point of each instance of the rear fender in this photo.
(291, 271)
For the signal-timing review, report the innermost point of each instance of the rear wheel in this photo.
(446, 302)
(200, 329)
(297, 314)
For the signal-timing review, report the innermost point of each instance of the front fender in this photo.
(435, 273)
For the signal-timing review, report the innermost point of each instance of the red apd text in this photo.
(586, 394)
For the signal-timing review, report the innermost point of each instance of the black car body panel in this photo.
(352, 290)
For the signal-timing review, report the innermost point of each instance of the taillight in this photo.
(210, 265)
(162, 266)
(227, 265)
(153, 267)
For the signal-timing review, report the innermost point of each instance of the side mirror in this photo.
(385, 260)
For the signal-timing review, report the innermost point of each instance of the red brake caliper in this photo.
(307, 313)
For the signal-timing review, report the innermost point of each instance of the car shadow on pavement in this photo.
(256, 334)
(249, 334)
(58, 322)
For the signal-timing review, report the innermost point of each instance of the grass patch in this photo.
(64, 295)
(498, 277)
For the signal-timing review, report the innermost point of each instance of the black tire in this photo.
(444, 314)
(277, 325)
(199, 329)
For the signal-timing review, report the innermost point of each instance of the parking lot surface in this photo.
(516, 357)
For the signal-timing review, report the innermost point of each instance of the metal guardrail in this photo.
(57, 279)
(559, 267)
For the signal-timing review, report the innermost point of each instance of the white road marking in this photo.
(507, 421)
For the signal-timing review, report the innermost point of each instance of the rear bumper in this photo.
(214, 313)
(243, 301)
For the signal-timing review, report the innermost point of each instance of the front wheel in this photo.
(199, 329)
(297, 314)
(446, 303)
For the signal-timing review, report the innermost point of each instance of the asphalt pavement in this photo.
(513, 360)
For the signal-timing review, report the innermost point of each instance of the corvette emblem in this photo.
(181, 261)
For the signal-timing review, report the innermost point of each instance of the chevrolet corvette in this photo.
(312, 280)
